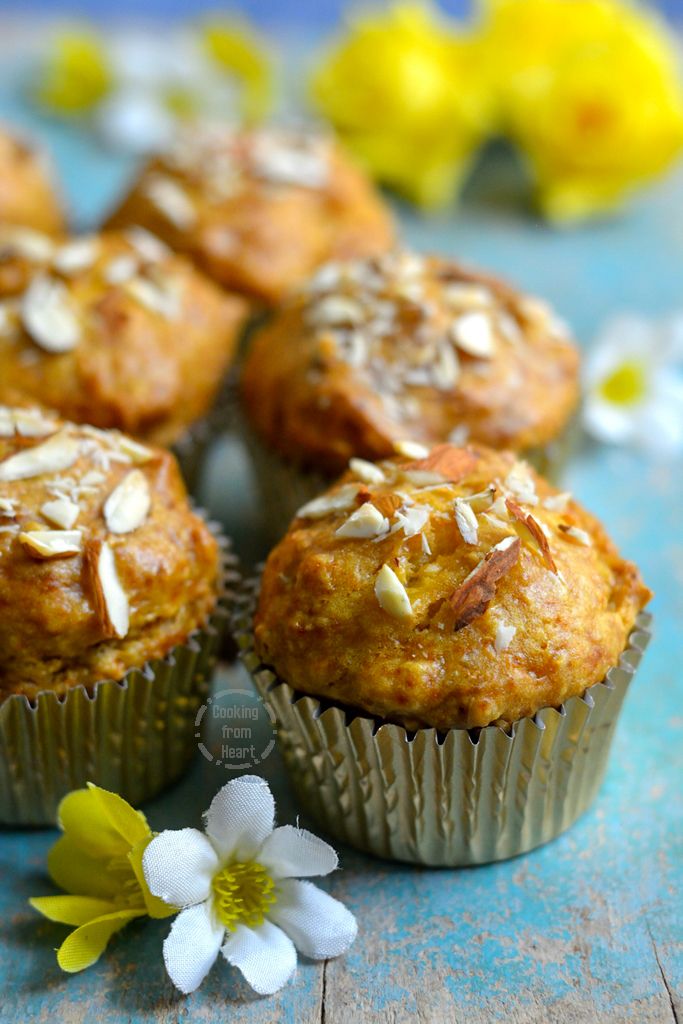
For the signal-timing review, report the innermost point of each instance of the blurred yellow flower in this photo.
(404, 91)
(590, 91)
(76, 74)
(98, 862)
(236, 49)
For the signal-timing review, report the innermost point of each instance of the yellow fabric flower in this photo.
(405, 92)
(98, 862)
(235, 49)
(590, 91)
(76, 74)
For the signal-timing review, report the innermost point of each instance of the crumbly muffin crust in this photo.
(27, 196)
(258, 210)
(455, 589)
(407, 347)
(113, 330)
(103, 564)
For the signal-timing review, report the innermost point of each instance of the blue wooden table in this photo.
(587, 929)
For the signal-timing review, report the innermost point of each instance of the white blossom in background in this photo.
(239, 892)
(152, 71)
(633, 384)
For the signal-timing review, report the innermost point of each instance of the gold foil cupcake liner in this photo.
(134, 736)
(451, 799)
(283, 487)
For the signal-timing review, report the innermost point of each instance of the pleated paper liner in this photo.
(283, 487)
(451, 799)
(133, 736)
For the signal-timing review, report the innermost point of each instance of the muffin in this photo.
(258, 210)
(113, 330)
(446, 642)
(110, 590)
(374, 353)
(27, 196)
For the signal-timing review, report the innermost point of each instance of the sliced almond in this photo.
(24, 242)
(56, 454)
(465, 295)
(150, 248)
(476, 592)
(61, 512)
(473, 334)
(120, 269)
(391, 594)
(48, 317)
(366, 521)
(386, 503)
(336, 311)
(109, 598)
(412, 521)
(532, 531)
(466, 521)
(482, 500)
(76, 256)
(138, 453)
(171, 200)
(520, 483)
(576, 533)
(128, 505)
(411, 449)
(52, 543)
(32, 423)
(368, 472)
(505, 634)
(336, 501)
(446, 369)
(557, 502)
(445, 461)
(155, 297)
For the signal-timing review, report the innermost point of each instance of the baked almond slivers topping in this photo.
(128, 505)
(30, 245)
(48, 316)
(61, 512)
(411, 449)
(504, 636)
(109, 598)
(136, 452)
(391, 594)
(338, 501)
(386, 503)
(445, 461)
(56, 454)
(473, 334)
(533, 531)
(367, 521)
(368, 472)
(76, 256)
(25, 423)
(52, 543)
(575, 533)
(476, 592)
(171, 200)
(466, 521)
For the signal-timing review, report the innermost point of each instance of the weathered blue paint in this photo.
(586, 929)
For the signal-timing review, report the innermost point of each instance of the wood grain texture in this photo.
(584, 931)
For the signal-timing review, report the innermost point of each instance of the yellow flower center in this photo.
(626, 385)
(243, 894)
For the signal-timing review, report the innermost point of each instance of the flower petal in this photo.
(75, 910)
(191, 947)
(154, 906)
(264, 955)
(240, 817)
(78, 872)
(86, 945)
(130, 824)
(319, 925)
(179, 866)
(84, 819)
(293, 852)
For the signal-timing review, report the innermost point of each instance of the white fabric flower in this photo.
(634, 384)
(238, 889)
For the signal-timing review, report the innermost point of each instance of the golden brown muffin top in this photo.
(454, 589)
(27, 196)
(103, 565)
(113, 330)
(259, 210)
(403, 346)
